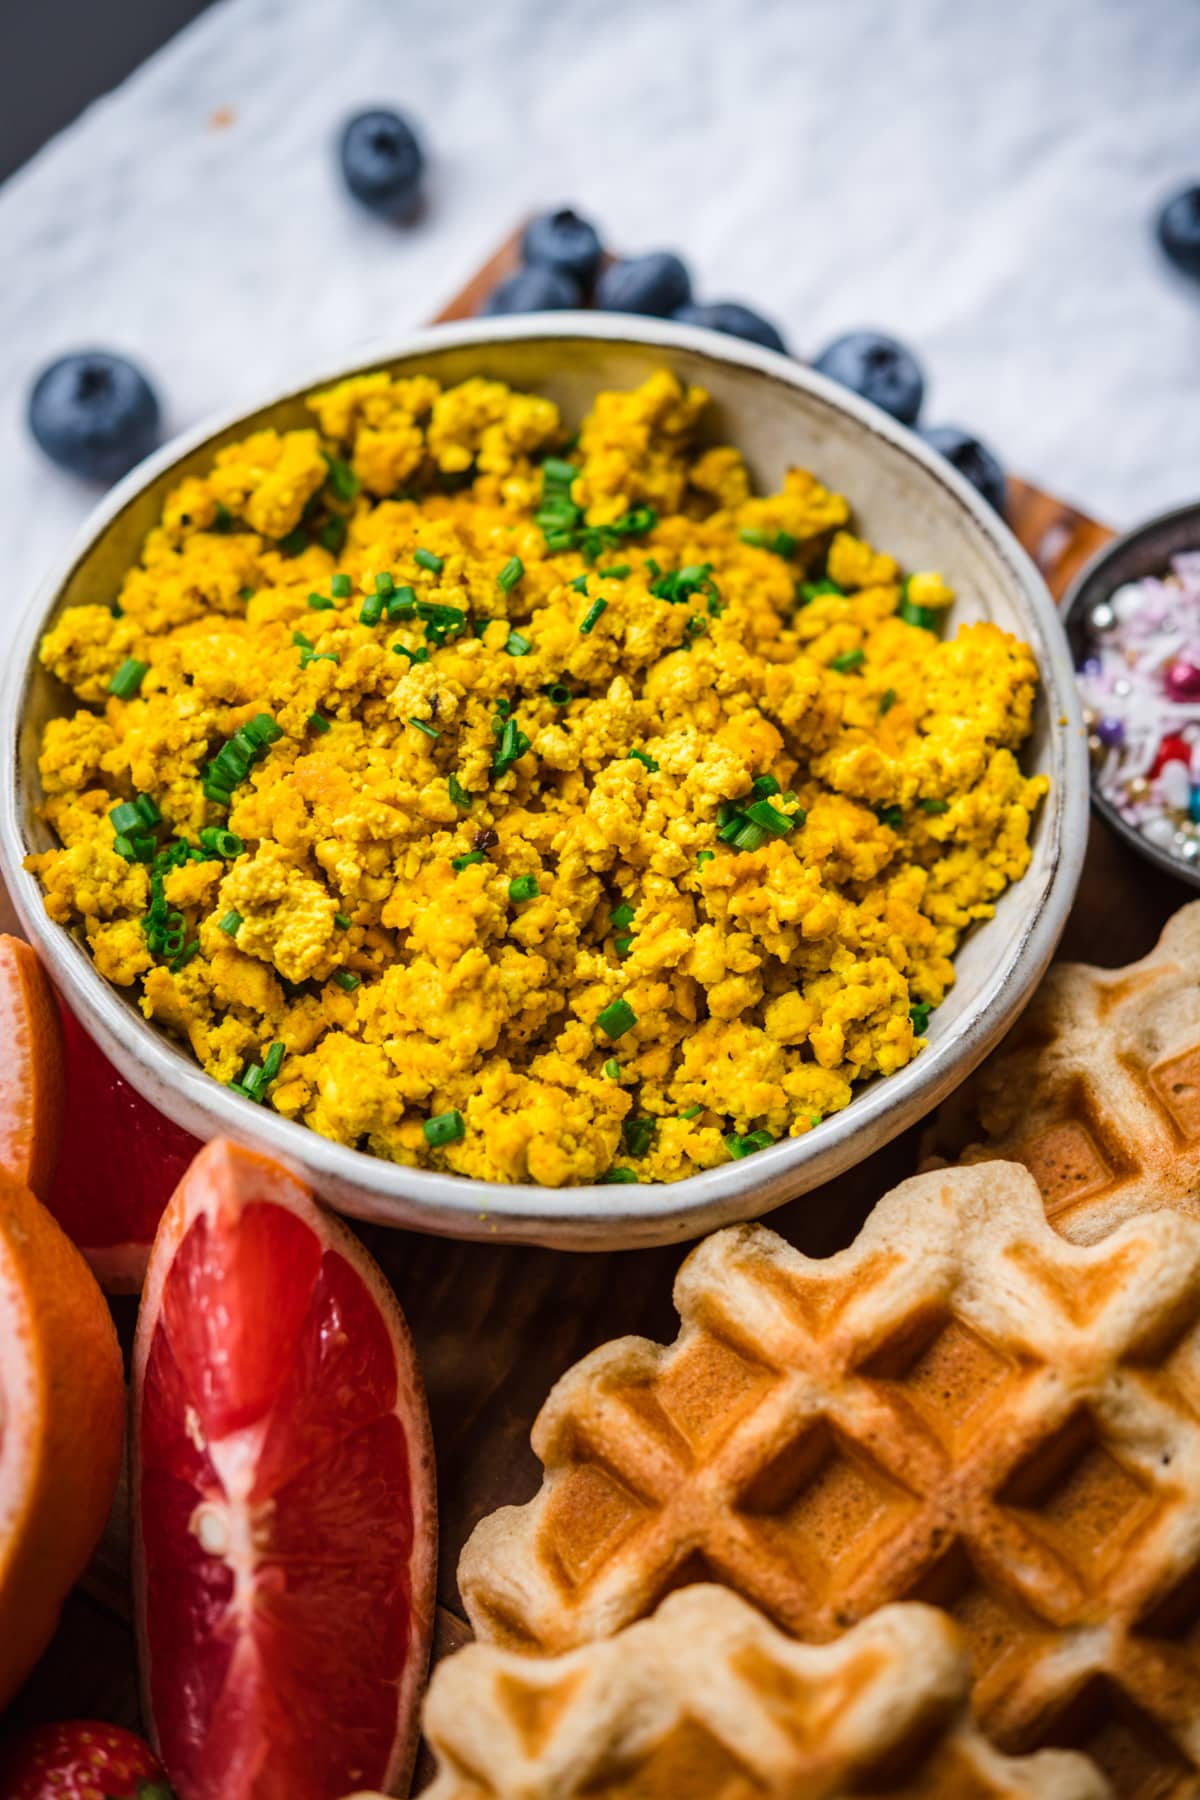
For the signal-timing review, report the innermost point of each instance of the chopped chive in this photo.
(458, 792)
(414, 656)
(301, 642)
(126, 817)
(764, 786)
(231, 923)
(218, 795)
(342, 921)
(402, 603)
(592, 614)
(638, 1135)
(813, 590)
(622, 945)
(849, 659)
(341, 587)
(579, 584)
(224, 843)
(558, 693)
(692, 1112)
(319, 723)
(320, 602)
(346, 980)
(616, 1018)
(503, 706)
(273, 1061)
(423, 725)
(246, 593)
(557, 471)
(523, 887)
(887, 700)
(124, 847)
(264, 730)
(647, 762)
(934, 806)
(385, 585)
(185, 956)
(341, 478)
(293, 543)
(614, 572)
(770, 818)
(890, 815)
(622, 915)
(754, 534)
(459, 863)
(518, 644)
(704, 856)
(919, 1014)
(510, 574)
(425, 559)
(444, 1128)
(746, 1146)
(617, 1177)
(128, 678)
(332, 536)
(749, 836)
(924, 616)
(371, 610)
(612, 1069)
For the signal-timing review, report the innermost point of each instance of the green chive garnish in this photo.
(614, 572)
(704, 856)
(579, 584)
(318, 722)
(444, 1128)
(887, 700)
(385, 585)
(746, 1146)
(919, 1014)
(849, 659)
(342, 921)
(230, 923)
(346, 980)
(332, 536)
(341, 478)
(224, 843)
(425, 559)
(558, 693)
(592, 614)
(340, 587)
(770, 818)
(617, 1018)
(402, 603)
(647, 762)
(638, 1135)
(371, 610)
(518, 644)
(616, 1177)
(273, 1061)
(934, 806)
(423, 725)
(458, 792)
(246, 593)
(813, 590)
(293, 543)
(458, 863)
(523, 887)
(890, 815)
(128, 678)
(510, 574)
(320, 602)
(622, 915)
(126, 817)
(612, 1069)
(692, 1112)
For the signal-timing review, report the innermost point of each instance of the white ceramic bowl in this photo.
(779, 413)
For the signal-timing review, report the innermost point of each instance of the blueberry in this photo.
(731, 317)
(534, 290)
(657, 284)
(382, 162)
(877, 367)
(970, 458)
(94, 413)
(1179, 230)
(562, 240)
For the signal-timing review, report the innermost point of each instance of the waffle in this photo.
(709, 1701)
(1097, 1090)
(961, 1408)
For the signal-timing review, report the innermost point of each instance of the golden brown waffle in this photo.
(708, 1701)
(1097, 1090)
(962, 1408)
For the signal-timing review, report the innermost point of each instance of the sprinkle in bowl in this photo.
(1132, 618)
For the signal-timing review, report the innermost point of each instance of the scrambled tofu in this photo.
(530, 808)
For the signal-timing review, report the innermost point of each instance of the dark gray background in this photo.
(57, 55)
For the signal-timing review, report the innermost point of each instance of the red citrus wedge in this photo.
(119, 1163)
(284, 1514)
(31, 1068)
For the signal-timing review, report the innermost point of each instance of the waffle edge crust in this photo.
(709, 1699)
(961, 1408)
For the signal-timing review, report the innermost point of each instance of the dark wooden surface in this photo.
(495, 1325)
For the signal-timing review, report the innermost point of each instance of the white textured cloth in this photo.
(978, 178)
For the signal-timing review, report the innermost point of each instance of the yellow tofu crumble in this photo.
(530, 808)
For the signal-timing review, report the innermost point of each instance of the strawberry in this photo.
(83, 1760)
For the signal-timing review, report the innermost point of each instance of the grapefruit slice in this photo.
(31, 1068)
(119, 1164)
(62, 1416)
(284, 1515)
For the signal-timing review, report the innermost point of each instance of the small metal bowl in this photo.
(905, 497)
(1146, 550)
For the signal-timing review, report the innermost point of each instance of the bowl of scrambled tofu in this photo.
(577, 779)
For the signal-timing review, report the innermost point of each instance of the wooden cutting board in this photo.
(495, 1325)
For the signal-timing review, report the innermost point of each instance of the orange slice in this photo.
(284, 1516)
(62, 1411)
(32, 1079)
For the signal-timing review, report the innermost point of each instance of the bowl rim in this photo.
(1089, 586)
(601, 1215)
